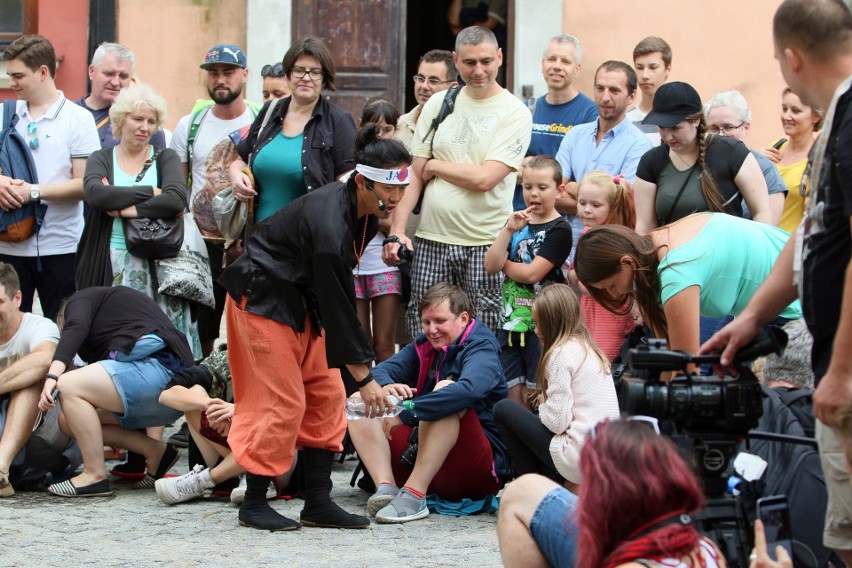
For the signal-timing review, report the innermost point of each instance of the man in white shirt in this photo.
(226, 79)
(61, 136)
(27, 343)
(652, 59)
(436, 72)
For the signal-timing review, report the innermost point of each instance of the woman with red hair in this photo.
(628, 514)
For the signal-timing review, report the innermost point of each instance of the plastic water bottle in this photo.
(356, 409)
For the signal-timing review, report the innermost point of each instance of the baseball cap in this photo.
(673, 102)
(226, 54)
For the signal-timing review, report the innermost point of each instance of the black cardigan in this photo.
(327, 149)
(103, 319)
(94, 267)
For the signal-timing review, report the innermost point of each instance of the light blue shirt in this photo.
(618, 152)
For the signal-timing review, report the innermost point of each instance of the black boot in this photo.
(320, 510)
(255, 512)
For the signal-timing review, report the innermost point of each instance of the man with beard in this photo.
(196, 135)
(611, 143)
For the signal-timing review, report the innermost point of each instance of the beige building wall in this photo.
(170, 39)
(717, 45)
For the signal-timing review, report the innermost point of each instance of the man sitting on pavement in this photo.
(27, 343)
(453, 371)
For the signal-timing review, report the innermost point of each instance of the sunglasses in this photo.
(276, 70)
(32, 130)
(652, 421)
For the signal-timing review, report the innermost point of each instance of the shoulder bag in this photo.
(153, 238)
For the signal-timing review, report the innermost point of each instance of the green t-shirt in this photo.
(728, 260)
(277, 168)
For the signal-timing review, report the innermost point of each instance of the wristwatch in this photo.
(35, 194)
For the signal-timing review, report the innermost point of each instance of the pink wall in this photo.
(65, 24)
(719, 45)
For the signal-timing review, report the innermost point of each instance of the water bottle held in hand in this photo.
(356, 409)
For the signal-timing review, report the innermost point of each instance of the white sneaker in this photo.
(174, 490)
(238, 493)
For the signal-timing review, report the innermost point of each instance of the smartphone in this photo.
(775, 514)
(780, 143)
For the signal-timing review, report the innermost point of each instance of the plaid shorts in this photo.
(461, 265)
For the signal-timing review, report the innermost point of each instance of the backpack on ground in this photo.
(16, 162)
(793, 470)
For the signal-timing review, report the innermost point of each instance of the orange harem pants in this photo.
(284, 392)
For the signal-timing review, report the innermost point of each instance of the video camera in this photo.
(707, 405)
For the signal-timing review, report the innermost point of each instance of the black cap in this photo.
(673, 102)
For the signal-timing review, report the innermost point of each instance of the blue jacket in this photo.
(473, 363)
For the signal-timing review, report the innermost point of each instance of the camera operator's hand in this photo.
(760, 557)
(399, 390)
(834, 390)
(729, 340)
(388, 425)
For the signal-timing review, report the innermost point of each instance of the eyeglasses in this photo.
(276, 70)
(434, 81)
(32, 130)
(299, 72)
(638, 418)
(724, 129)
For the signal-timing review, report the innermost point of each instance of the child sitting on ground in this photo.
(574, 391)
(530, 251)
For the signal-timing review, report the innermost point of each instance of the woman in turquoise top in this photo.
(707, 264)
(114, 191)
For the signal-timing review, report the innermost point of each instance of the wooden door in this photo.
(367, 41)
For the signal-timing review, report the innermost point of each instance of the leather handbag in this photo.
(153, 238)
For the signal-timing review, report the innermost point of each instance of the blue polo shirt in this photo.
(618, 152)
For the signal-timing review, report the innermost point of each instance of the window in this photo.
(19, 18)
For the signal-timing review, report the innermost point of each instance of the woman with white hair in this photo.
(727, 114)
(133, 179)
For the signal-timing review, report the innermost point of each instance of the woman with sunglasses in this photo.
(626, 516)
(707, 264)
(275, 84)
(307, 142)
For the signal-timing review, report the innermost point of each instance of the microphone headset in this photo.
(371, 188)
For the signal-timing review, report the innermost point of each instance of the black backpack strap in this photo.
(447, 107)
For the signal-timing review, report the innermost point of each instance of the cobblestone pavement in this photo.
(132, 528)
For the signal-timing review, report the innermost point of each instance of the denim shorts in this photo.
(139, 384)
(554, 527)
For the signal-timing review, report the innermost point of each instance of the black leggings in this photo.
(527, 438)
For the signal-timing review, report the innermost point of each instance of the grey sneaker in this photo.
(379, 500)
(174, 490)
(403, 508)
(238, 493)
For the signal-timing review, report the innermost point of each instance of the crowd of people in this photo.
(481, 261)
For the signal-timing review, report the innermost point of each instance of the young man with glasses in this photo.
(436, 73)
(61, 136)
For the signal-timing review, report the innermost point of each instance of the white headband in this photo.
(390, 177)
